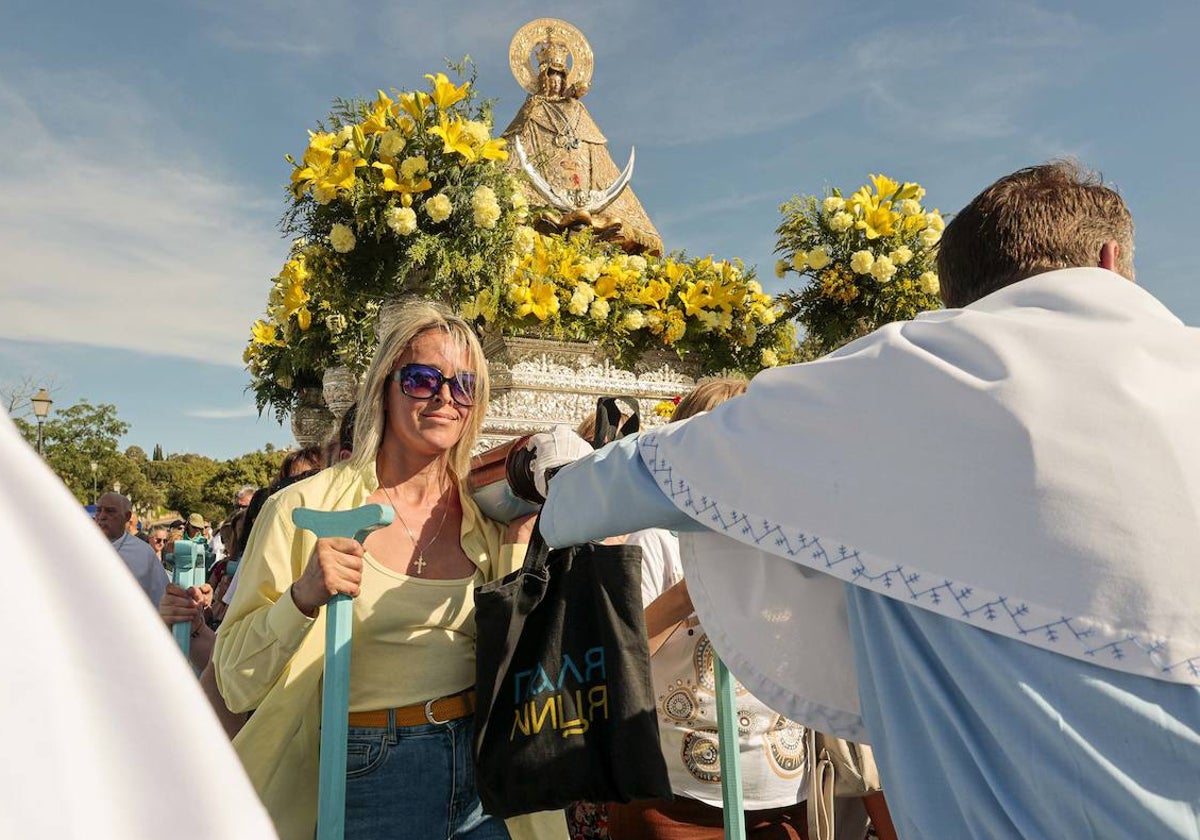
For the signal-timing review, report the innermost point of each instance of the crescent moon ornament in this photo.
(566, 200)
(523, 61)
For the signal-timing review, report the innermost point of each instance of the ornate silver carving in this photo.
(340, 389)
(312, 422)
(538, 384)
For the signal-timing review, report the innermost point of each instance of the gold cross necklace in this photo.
(420, 561)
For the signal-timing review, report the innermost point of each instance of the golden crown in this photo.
(552, 55)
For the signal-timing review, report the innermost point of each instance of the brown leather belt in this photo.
(442, 710)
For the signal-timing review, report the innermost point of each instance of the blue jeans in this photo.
(416, 783)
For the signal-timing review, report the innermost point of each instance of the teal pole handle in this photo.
(335, 691)
(186, 571)
(728, 749)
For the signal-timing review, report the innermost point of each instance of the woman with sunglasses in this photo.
(409, 772)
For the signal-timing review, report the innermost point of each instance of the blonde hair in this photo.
(413, 320)
(708, 395)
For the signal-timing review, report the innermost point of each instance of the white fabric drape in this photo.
(1029, 465)
(105, 730)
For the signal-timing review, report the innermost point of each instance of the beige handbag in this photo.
(838, 770)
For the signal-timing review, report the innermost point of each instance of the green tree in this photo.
(182, 479)
(256, 468)
(75, 438)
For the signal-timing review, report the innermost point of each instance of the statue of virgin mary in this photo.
(559, 147)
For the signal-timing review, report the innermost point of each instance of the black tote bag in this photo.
(566, 708)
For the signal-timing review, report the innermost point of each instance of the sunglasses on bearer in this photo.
(422, 382)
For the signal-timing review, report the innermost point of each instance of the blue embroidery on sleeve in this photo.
(945, 597)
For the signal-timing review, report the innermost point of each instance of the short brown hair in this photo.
(1057, 215)
(708, 395)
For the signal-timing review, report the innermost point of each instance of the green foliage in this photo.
(76, 437)
(183, 478)
(255, 468)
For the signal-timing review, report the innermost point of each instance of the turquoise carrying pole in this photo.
(189, 572)
(731, 769)
(335, 691)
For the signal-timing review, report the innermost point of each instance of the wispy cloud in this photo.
(222, 413)
(297, 28)
(984, 69)
(123, 235)
(716, 207)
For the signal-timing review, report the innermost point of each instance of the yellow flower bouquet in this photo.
(408, 193)
(867, 260)
(574, 288)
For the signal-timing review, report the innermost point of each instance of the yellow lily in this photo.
(294, 298)
(317, 158)
(727, 294)
(494, 149)
(539, 262)
(445, 92)
(398, 183)
(414, 104)
(340, 176)
(569, 269)
(695, 298)
(375, 123)
(861, 200)
(606, 285)
(885, 187)
(454, 138)
(674, 271)
(377, 120)
(878, 221)
(321, 142)
(543, 299)
(302, 178)
(652, 294)
(910, 190)
(263, 334)
(295, 270)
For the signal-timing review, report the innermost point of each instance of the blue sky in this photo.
(144, 145)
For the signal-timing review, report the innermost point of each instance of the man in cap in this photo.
(113, 512)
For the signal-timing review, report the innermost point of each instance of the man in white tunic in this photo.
(969, 539)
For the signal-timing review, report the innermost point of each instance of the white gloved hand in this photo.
(555, 449)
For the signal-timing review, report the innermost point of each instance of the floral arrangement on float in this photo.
(574, 288)
(867, 260)
(409, 194)
(302, 334)
(405, 194)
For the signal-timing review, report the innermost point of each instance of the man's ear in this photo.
(1110, 252)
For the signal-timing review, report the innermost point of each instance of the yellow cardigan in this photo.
(269, 655)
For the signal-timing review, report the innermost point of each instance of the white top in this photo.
(771, 746)
(105, 730)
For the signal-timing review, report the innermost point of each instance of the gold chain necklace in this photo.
(420, 561)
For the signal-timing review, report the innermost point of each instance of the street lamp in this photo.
(94, 465)
(41, 407)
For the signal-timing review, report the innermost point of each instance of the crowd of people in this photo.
(965, 540)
